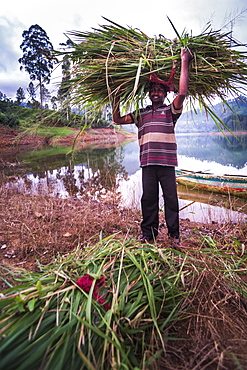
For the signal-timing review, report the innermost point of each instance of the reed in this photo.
(115, 58)
(48, 320)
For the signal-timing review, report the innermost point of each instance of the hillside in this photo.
(233, 116)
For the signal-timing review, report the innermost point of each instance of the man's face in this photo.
(157, 94)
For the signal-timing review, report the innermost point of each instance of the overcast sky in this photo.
(58, 17)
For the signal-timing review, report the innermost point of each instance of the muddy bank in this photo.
(12, 138)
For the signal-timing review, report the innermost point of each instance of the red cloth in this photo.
(154, 78)
(85, 283)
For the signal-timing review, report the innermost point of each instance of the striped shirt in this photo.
(156, 135)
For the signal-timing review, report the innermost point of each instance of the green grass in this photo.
(115, 58)
(28, 118)
(49, 322)
(54, 131)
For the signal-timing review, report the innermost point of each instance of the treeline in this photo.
(38, 60)
(233, 115)
(12, 115)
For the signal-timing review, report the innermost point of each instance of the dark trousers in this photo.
(151, 177)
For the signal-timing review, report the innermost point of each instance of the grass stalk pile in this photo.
(50, 321)
(114, 58)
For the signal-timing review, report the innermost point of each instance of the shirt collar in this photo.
(149, 107)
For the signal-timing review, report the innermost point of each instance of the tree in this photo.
(31, 91)
(46, 95)
(53, 102)
(20, 96)
(33, 104)
(32, 94)
(3, 97)
(64, 88)
(38, 56)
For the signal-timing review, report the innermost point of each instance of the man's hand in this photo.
(186, 54)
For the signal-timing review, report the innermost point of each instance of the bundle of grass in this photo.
(53, 320)
(114, 58)
(122, 305)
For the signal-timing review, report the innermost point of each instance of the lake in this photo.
(97, 172)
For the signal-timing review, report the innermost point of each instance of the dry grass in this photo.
(214, 331)
(39, 229)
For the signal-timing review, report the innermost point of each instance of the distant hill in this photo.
(234, 116)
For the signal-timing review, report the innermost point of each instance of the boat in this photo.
(224, 184)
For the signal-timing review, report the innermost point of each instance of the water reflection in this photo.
(195, 205)
(90, 173)
(236, 144)
(227, 151)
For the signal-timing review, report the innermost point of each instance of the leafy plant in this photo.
(49, 322)
(114, 58)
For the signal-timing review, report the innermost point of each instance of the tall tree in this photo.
(31, 91)
(45, 94)
(53, 102)
(64, 90)
(38, 56)
(20, 96)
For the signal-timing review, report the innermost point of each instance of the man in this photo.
(158, 151)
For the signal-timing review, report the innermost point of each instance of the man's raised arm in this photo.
(186, 57)
(117, 118)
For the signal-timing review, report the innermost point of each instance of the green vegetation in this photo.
(115, 58)
(26, 117)
(51, 320)
(8, 115)
(12, 115)
(54, 131)
(143, 299)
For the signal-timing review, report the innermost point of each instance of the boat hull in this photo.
(225, 184)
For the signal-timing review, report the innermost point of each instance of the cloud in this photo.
(57, 19)
(10, 39)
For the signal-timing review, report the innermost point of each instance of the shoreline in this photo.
(58, 225)
(112, 136)
(11, 137)
(213, 133)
